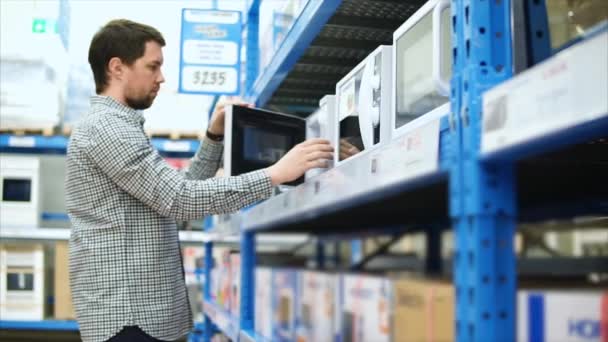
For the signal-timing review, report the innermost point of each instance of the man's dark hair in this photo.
(120, 38)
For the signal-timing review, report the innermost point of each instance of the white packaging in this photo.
(22, 282)
(564, 316)
(19, 188)
(366, 308)
(317, 313)
(263, 302)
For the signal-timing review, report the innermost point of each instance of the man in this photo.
(123, 199)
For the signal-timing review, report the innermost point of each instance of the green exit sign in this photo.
(41, 25)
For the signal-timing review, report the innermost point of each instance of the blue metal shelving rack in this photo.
(484, 205)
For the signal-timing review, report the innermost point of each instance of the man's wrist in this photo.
(213, 136)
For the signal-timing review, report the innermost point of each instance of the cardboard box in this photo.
(63, 295)
(235, 287)
(318, 308)
(284, 303)
(263, 302)
(365, 308)
(22, 282)
(568, 316)
(423, 311)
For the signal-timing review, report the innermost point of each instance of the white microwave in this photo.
(321, 124)
(422, 57)
(256, 139)
(19, 188)
(363, 104)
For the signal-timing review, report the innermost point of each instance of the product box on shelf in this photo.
(318, 307)
(235, 286)
(63, 295)
(224, 281)
(562, 315)
(20, 190)
(22, 282)
(284, 302)
(423, 310)
(365, 308)
(263, 302)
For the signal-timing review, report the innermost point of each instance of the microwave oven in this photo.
(321, 124)
(363, 105)
(422, 57)
(19, 188)
(257, 138)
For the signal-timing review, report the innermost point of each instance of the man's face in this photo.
(143, 78)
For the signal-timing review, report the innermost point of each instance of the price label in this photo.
(210, 52)
(21, 142)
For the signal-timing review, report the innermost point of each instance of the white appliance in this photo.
(19, 187)
(363, 102)
(422, 57)
(22, 282)
(321, 124)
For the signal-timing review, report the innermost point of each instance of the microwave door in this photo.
(256, 138)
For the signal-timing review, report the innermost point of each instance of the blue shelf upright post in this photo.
(253, 43)
(247, 302)
(483, 210)
(209, 327)
(320, 254)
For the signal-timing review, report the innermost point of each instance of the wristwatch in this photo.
(214, 137)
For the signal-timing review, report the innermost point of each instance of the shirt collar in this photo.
(119, 109)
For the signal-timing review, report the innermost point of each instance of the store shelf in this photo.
(29, 233)
(373, 190)
(559, 102)
(223, 320)
(251, 336)
(54, 325)
(326, 41)
(38, 144)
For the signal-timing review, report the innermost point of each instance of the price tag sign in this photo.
(210, 52)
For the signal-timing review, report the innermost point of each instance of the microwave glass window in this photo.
(570, 19)
(19, 281)
(416, 91)
(264, 146)
(351, 142)
(16, 190)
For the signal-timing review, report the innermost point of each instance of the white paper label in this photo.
(21, 141)
(208, 78)
(210, 52)
(565, 91)
(176, 146)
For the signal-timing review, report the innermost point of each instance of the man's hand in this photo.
(216, 123)
(313, 153)
(347, 149)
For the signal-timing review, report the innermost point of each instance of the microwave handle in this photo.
(443, 86)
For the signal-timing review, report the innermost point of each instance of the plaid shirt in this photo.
(123, 201)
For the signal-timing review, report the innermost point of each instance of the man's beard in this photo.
(140, 103)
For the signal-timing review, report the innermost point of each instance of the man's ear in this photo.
(115, 67)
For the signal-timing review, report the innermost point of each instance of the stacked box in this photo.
(63, 295)
(566, 315)
(284, 302)
(263, 302)
(318, 308)
(423, 311)
(22, 282)
(235, 284)
(365, 308)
